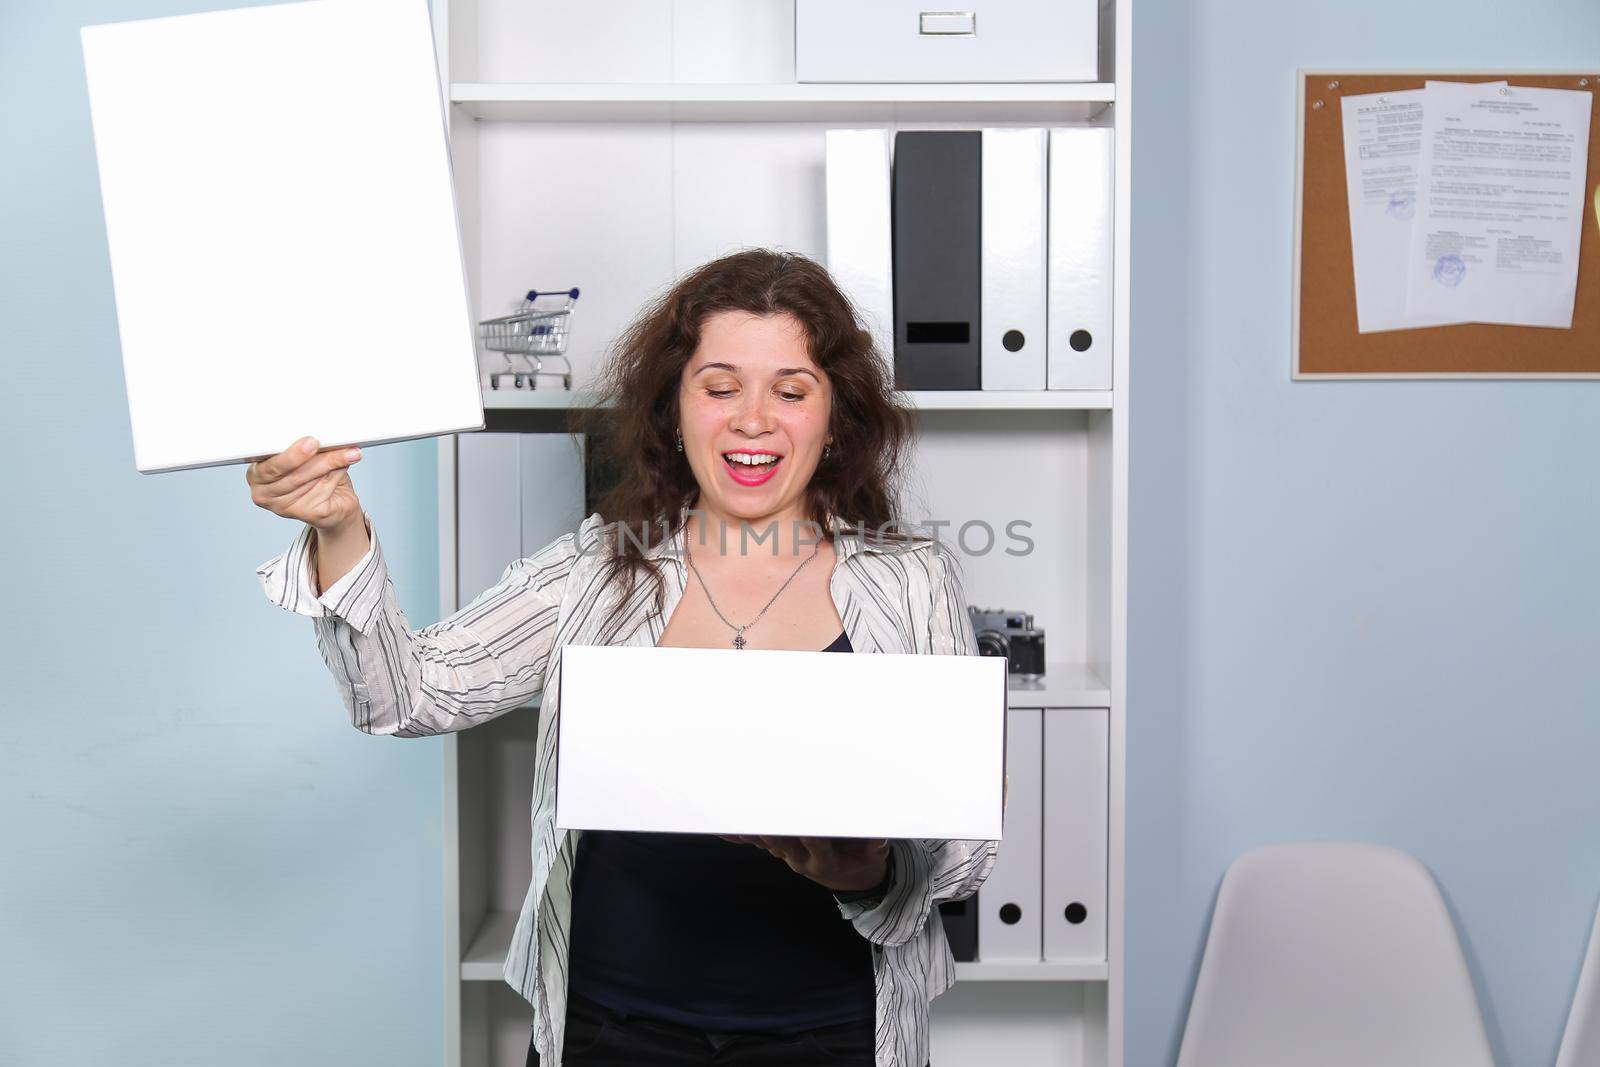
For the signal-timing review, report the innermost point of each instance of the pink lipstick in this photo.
(754, 472)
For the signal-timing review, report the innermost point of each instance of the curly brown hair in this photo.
(633, 424)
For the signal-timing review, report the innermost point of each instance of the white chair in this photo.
(1581, 1045)
(1332, 954)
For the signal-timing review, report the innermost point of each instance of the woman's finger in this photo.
(819, 847)
(274, 467)
(786, 849)
(856, 849)
(308, 472)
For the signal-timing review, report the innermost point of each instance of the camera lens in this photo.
(993, 643)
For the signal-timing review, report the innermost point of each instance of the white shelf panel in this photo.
(1064, 685)
(778, 102)
(1011, 400)
(486, 954)
(508, 398)
(1032, 972)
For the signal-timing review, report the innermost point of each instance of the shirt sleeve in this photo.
(479, 663)
(926, 873)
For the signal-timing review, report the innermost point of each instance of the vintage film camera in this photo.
(1002, 632)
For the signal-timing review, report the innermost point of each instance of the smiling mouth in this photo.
(755, 461)
(751, 468)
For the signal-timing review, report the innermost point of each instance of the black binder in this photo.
(960, 918)
(938, 248)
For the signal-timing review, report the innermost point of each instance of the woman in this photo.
(746, 400)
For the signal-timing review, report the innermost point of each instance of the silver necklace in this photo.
(738, 631)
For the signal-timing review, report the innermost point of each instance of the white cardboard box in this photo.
(904, 41)
(758, 741)
(281, 223)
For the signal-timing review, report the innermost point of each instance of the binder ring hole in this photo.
(1076, 913)
(1010, 914)
(1080, 340)
(1013, 340)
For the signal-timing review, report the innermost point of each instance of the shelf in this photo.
(508, 398)
(1064, 685)
(1032, 972)
(1011, 400)
(486, 955)
(779, 102)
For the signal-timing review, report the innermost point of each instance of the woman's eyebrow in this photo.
(783, 372)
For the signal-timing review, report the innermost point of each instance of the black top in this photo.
(706, 933)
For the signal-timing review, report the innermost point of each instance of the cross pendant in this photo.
(738, 639)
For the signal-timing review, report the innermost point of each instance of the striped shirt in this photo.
(503, 650)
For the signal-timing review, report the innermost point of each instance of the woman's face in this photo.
(751, 393)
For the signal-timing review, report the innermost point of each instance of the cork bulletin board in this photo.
(1327, 343)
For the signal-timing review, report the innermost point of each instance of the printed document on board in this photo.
(1500, 200)
(1382, 146)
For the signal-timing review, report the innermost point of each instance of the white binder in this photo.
(859, 228)
(1082, 191)
(1008, 902)
(1013, 263)
(1076, 768)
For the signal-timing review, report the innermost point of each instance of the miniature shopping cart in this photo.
(526, 339)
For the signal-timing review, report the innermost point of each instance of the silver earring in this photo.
(826, 448)
(680, 440)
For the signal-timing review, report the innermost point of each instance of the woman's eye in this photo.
(793, 396)
(719, 393)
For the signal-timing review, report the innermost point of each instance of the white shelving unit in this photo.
(769, 102)
(615, 144)
(547, 399)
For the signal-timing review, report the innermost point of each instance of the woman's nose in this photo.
(753, 416)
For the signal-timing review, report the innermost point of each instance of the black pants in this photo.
(597, 1036)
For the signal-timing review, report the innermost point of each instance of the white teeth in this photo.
(748, 460)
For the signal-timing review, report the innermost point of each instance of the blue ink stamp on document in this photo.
(1449, 271)
(1403, 205)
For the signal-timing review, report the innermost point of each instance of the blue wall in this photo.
(1357, 610)
(200, 861)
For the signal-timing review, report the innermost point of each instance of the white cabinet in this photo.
(613, 145)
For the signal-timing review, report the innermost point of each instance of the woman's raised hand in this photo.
(307, 485)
